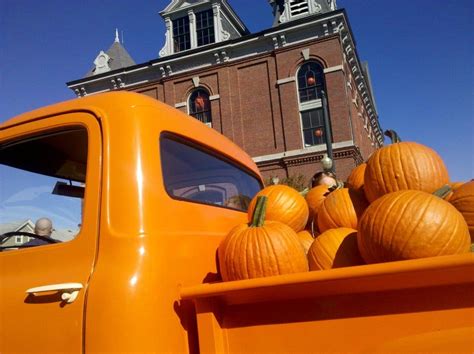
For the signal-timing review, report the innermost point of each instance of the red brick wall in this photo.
(262, 116)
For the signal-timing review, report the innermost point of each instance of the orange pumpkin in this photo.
(401, 166)
(315, 198)
(341, 208)
(260, 249)
(411, 224)
(333, 249)
(285, 204)
(463, 200)
(454, 186)
(306, 239)
(356, 178)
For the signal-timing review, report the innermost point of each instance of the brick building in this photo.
(261, 90)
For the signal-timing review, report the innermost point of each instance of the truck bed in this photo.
(417, 305)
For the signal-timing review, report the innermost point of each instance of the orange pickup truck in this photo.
(137, 193)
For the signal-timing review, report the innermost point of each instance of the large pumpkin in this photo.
(463, 200)
(356, 178)
(411, 224)
(285, 204)
(403, 165)
(260, 249)
(341, 208)
(334, 248)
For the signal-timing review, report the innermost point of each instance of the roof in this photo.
(15, 225)
(230, 42)
(119, 58)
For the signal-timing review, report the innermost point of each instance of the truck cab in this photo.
(140, 190)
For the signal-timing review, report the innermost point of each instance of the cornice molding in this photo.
(352, 151)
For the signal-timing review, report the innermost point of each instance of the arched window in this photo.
(310, 81)
(310, 84)
(200, 106)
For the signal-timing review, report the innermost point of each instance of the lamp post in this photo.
(329, 155)
(327, 163)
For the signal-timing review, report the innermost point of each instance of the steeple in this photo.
(289, 10)
(116, 57)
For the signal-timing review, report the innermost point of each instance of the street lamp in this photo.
(329, 154)
(326, 161)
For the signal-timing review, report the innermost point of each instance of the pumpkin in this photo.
(260, 249)
(411, 224)
(285, 204)
(200, 103)
(356, 178)
(453, 187)
(333, 249)
(306, 239)
(314, 199)
(341, 208)
(463, 200)
(401, 166)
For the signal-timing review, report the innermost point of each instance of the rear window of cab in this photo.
(196, 174)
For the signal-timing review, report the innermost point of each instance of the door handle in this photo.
(69, 291)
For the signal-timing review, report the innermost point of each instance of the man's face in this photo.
(329, 181)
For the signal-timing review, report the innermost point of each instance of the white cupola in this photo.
(289, 10)
(195, 23)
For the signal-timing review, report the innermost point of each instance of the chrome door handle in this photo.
(69, 291)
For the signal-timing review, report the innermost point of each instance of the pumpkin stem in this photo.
(258, 217)
(392, 134)
(339, 184)
(304, 192)
(443, 191)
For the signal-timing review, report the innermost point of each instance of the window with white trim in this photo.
(200, 106)
(205, 27)
(310, 81)
(181, 34)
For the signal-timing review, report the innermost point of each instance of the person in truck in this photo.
(324, 177)
(43, 227)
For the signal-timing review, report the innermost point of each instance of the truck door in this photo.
(49, 171)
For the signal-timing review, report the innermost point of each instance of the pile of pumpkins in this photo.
(399, 205)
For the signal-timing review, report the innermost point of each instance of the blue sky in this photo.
(418, 51)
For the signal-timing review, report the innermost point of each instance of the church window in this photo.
(181, 35)
(313, 127)
(200, 106)
(310, 81)
(205, 27)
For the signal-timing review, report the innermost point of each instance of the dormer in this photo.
(289, 10)
(196, 23)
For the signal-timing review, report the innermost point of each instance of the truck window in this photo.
(42, 181)
(192, 173)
